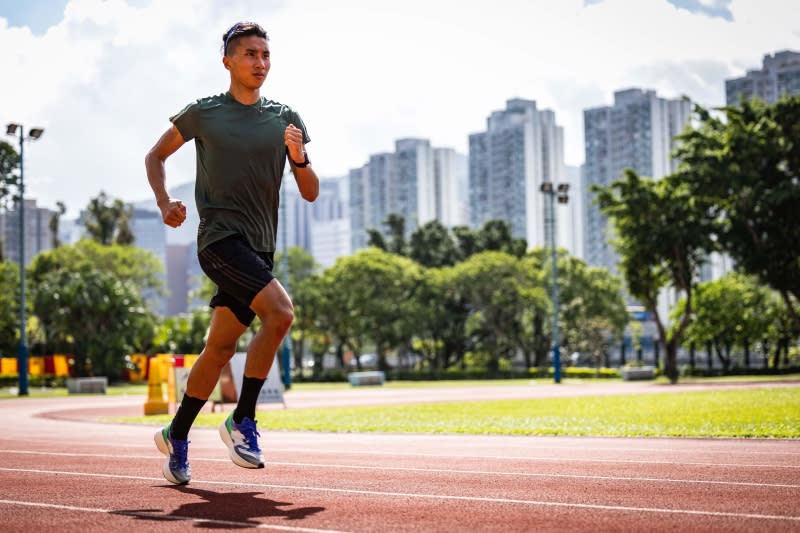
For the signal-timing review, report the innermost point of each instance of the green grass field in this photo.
(765, 413)
(134, 389)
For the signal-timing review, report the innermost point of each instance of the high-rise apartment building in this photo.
(521, 148)
(294, 217)
(413, 195)
(330, 223)
(358, 206)
(637, 132)
(450, 187)
(38, 236)
(571, 215)
(779, 75)
(416, 181)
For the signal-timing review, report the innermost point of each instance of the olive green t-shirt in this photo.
(241, 157)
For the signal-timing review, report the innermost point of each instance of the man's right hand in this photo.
(173, 212)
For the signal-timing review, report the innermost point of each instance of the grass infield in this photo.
(753, 413)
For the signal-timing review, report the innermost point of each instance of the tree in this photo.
(108, 222)
(301, 266)
(467, 241)
(733, 310)
(126, 263)
(394, 238)
(495, 235)
(432, 245)
(745, 168)
(310, 313)
(663, 233)
(376, 293)
(591, 307)
(443, 313)
(184, 333)
(9, 178)
(501, 294)
(9, 307)
(88, 301)
(54, 223)
(95, 315)
(9, 167)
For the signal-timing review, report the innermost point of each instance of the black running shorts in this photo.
(239, 273)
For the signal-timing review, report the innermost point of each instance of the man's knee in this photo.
(219, 353)
(279, 319)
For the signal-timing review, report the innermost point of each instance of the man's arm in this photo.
(307, 180)
(173, 211)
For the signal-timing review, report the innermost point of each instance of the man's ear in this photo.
(226, 61)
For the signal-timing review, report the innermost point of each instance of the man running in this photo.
(242, 141)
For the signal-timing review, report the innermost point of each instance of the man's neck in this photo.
(244, 95)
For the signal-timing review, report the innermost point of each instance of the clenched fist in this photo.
(173, 212)
(293, 138)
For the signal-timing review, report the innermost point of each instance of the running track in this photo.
(61, 470)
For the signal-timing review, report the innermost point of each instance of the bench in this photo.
(634, 373)
(372, 377)
(87, 385)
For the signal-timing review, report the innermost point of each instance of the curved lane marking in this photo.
(539, 503)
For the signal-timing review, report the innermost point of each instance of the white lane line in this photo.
(561, 448)
(139, 514)
(537, 474)
(521, 458)
(427, 470)
(570, 505)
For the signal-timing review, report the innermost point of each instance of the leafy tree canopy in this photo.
(108, 221)
(744, 167)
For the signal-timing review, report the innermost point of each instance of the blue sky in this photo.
(39, 15)
(711, 8)
(102, 76)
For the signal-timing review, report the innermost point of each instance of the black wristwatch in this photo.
(305, 162)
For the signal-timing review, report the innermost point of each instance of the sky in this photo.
(103, 76)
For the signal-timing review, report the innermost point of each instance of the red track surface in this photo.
(66, 472)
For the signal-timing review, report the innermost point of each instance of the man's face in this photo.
(249, 62)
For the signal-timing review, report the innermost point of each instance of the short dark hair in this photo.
(238, 30)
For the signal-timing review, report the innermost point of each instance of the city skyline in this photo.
(366, 75)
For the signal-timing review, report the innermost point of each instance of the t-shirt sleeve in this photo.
(298, 122)
(187, 121)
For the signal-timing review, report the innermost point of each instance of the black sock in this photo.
(185, 416)
(246, 407)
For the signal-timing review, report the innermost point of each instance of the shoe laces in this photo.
(248, 430)
(180, 452)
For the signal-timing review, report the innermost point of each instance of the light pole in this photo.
(286, 352)
(22, 354)
(550, 227)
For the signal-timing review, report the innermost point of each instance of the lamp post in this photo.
(550, 227)
(286, 352)
(22, 354)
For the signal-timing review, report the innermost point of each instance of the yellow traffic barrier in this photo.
(171, 385)
(8, 366)
(36, 366)
(139, 361)
(61, 366)
(155, 404)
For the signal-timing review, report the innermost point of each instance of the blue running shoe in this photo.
(176, 469)
(242, 442)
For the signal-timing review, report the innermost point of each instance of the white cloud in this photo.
(104, 80)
